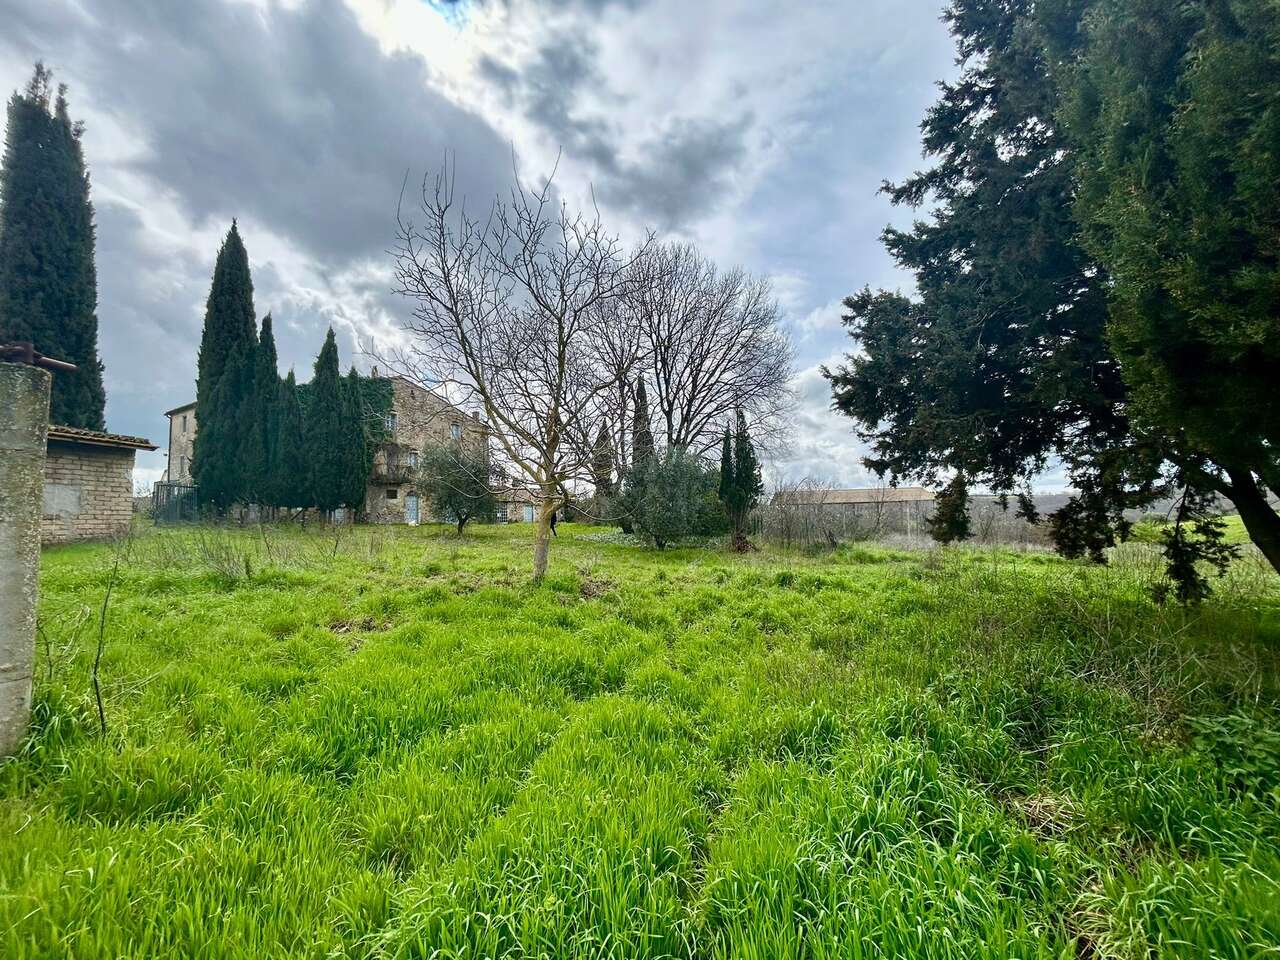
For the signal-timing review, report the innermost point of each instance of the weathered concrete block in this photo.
(24, 419)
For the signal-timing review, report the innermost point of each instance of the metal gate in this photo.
(175, 503)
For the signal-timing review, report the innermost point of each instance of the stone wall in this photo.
(88, 492)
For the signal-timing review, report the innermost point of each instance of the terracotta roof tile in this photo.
(98, 438)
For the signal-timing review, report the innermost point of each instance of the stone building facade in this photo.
(182, 443)
(517, 505)
(88, 484)
(419, 419)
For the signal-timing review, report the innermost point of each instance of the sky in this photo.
(759, 130)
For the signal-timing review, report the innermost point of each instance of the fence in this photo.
(175, 503)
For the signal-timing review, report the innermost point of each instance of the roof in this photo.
(185, 406)
(97, 438)
(820, 497)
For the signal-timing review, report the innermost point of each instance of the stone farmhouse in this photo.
(88, 484)
(418, 419)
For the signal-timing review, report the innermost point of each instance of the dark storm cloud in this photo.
(292, 116)
(688, 170)
(685, 167)
(545, 91)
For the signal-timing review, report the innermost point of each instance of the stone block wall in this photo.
(88, 492)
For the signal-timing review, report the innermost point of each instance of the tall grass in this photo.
(387, 744)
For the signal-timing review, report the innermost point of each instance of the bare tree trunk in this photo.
(24, 419)
(542, 538)
(1260, 519)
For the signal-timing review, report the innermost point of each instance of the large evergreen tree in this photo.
(260, 420)
(1009, 358)
(220, 441)
(1001, 362)
(48, 282)
(1175, 108)
(289, 482)
(328, 450)
(356, 442)
(228, 349)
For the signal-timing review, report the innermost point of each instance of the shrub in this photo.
(672, 497)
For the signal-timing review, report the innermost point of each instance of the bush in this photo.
(675, 496)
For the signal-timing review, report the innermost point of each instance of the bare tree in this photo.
(797, 515)
(510, 315)
(712, 344)
(623, 352)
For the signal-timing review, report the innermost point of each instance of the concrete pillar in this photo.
(24, 423)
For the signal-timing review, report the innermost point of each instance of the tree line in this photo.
(1098, 283)
(270, 441)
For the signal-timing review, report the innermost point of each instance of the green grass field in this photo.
(388, 744)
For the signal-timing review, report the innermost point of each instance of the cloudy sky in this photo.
(760, 130)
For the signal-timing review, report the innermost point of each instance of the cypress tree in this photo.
(48, 282)
(642, 454)
(260, 419)
(359, 451)
(950, 520)
(602, 465)
(746, 485)
(642, 446)
(229, 317)
(325, 443)
(220, 440)
(289, 485)
(725, 492)
(228, 345)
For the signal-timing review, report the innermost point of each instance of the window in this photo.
(392, 421)
(182, 465)
(411, 459)
(455, 431)
(393, 493)
(184, 423)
